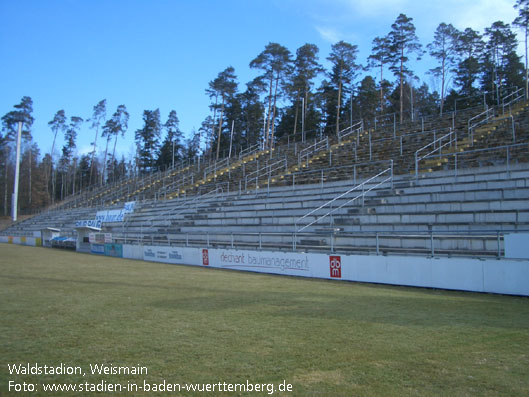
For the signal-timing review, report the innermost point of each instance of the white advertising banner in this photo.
(468, 274)
(110, 216)
(128, 207)
(88, 223)
(174, 255)
(100, 238)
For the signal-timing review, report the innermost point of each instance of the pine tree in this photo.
(522, 21)
(70, 137)
(299, 84)
(501, 65)
(98, 117)
(58, 124)
(113, 127)
(23, 112)
(378, 59)
(344, 70)
(252, 111)
(224, 86)
(275, 62)
(469, 49)
(367, 99)
(147, 139)
(403, 43)
(444, 49)
(172, 143)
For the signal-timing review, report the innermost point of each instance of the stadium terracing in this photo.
(454, 186)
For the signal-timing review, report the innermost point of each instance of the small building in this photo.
(48, 234)
(83, 238)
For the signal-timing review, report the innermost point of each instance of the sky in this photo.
(149, 54)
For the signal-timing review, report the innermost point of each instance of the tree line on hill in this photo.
(282, 100)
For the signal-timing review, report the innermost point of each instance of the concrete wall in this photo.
(31, 241)
(517, 245)
(505, 276)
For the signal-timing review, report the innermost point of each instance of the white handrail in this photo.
(452, 138)
(358, 127)
(484, 118)
(268, 169)
(314, 148)
(514, 100)
(361, 195)
(216, 166)
(250, 150)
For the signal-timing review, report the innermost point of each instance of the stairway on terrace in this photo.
(502, 140)
(360, 153)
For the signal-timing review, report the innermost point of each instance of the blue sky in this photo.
(148, 54)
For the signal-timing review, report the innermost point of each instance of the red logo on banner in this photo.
(205, 257)
(335, 264)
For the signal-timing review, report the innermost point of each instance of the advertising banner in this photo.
(110, 216)
(100, 238)
(128, 207)
(174, 255)
(115, 250)
(289, 263)
(88, 223)
(98, 249)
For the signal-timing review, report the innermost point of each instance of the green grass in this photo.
(202, 325)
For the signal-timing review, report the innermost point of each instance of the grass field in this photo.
(201, 325)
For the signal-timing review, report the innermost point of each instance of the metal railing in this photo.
(250, 150)
(512, 98)
(265, 171)
(507, 159)
(480, 119)
(483, 243)
(357, 128)
(361, 195)
(438, 145)
(351, 172)
(313, 149)
(216, 166)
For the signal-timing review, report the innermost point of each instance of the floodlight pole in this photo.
(17, 171)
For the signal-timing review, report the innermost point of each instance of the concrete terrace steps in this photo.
(278, 211)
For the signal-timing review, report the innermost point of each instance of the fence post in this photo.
(416, 167)
(498, 238)
(370, 154)
(431, 244)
